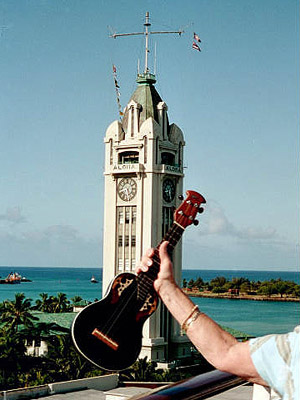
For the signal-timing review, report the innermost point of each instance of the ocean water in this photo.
(253, 317)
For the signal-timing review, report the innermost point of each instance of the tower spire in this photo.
(146, 33)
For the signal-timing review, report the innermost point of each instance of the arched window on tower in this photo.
(157, 150)
(145, 149)
(110, 151)
(163, 123)
(128, 157)
(180, 154)
(132, 121)
(168, 158)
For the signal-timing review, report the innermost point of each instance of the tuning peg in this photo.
(180, 197)
(201, 209)
(195, 222)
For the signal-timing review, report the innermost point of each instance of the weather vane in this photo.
(146, 33)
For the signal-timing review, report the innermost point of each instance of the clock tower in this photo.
(143, 178)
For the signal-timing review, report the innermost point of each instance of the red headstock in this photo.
(185, 214)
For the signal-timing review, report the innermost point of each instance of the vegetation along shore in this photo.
(243, 289)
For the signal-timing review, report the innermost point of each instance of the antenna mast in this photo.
(146, 33)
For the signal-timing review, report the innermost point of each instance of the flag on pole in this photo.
(196, 47)
(196, 37)
(117, 87)
(116, 83)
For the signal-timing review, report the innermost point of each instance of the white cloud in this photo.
(217, 223)
(56, 245)
(13, 215)
(66, 232)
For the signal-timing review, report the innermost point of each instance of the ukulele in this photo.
(109, 332)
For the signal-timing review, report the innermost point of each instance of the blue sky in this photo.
(236, 102)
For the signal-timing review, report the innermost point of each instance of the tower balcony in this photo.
(146, 78)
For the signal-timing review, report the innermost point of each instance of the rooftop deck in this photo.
(214, 385)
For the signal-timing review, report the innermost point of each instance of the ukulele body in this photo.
(109, 332)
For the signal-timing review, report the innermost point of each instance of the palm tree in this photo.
(17, 312)
(64, 362)
(142, 371)
(60, 303)
(43, 304)
(11, 347)
(76, 299)
(199, 283)
(43, 329)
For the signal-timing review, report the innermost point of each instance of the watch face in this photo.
(127, 188)
(168, 190)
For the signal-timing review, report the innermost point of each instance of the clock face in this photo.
(127, 189)
(168, 190)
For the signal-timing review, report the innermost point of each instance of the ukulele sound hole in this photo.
(148, 304)
(121, 284)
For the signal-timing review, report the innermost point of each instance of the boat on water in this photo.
(24, 279)
(13, 278)
(94, 280)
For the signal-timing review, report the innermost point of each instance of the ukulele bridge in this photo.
(105, 339)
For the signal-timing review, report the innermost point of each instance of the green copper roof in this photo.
(62, 319)
(147, 96)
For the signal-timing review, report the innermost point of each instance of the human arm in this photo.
(220, 348)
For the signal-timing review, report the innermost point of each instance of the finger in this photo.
(141, 268)
(150, 252)
(163, 251)
(145, 263)
(138, 269)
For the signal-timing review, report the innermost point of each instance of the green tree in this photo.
(281, 287)
(267, 289)
(245, 287)
(44, 303)
(53, 304)
(191, 283)
(64, 362)
(143, 371)
(296, 291)
(76, 299)
(238, 282)
(60, 303)
(219, 281)
(12, 351)
(17, 312)
(199, 283)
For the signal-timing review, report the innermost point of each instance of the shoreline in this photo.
(229, 296)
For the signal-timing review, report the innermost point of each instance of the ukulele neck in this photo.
(146, 279)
